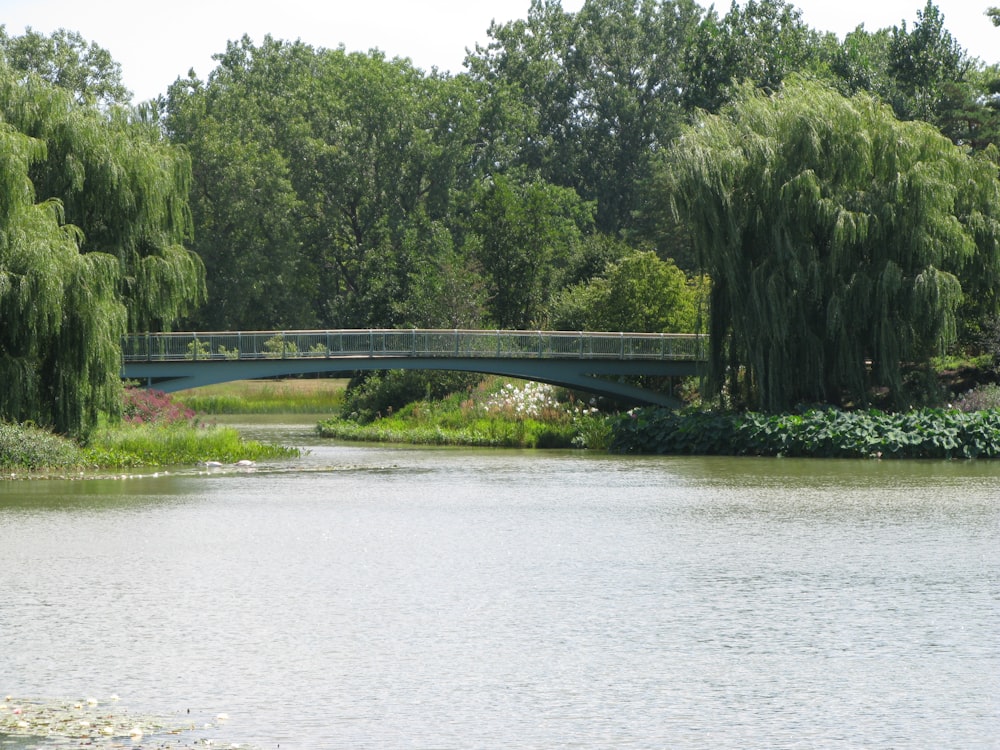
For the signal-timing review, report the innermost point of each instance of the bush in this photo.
(923, 433)
(379, 394)
(986, 396)
(28, 448)
(142, 406)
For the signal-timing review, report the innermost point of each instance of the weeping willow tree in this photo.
(123, 185)
(61, 315)
(93, 213)
(838, 240)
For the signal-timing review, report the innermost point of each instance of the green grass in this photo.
(173, 445)
(292, 396)
(29, 450)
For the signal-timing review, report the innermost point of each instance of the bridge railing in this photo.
(250, 345)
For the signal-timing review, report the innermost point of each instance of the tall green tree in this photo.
(61, 319)
(640, 292)
(528, 233)
(603, 88)
(314, 170)
(835, 235)
(94, 220)
(759, 41)
(67, 60)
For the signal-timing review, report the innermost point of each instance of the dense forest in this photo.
(827, 209)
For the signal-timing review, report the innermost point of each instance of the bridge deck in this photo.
(576, 359)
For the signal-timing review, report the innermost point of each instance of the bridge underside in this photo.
(579, 374)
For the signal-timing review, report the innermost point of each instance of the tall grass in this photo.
(302, 396)
(173, 445)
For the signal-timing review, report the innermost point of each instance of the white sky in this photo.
(156, 42)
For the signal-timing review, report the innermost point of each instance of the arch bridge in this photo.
(574, 359)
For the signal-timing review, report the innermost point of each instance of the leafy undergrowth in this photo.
(494, 414)
(24, 447)
(922, 433)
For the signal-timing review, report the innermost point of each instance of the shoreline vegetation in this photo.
(493, 413)
(158, 430)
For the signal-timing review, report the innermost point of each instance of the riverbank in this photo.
(829, 433)
(494, 414)
(155, 431)
(533, 415)
(28, 450)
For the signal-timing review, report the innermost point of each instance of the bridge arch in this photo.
(579, 360)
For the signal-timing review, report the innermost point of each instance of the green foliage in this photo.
(198, 349)
(758, 43)
(278, 346)
(493, 414)
(589, 95)
(28, 448)
(65, 59)
(92, 216)
(527, 233)
(62, 319)
(173, 445)
(294, 396)
(834, 235)
(638, 293)
(319, 175)
(380, 394)
(925, 433)
(122, 186)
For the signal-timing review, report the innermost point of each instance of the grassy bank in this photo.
(155, 431)
(494, 414)
(175, 445)
(25, 449)
(291, 396)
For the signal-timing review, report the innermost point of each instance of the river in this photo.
(395, 597)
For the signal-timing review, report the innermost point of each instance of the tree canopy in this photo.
(835, 236)
(68, 61)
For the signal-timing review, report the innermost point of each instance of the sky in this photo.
(157, 42)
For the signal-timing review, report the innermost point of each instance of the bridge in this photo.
(574, 359)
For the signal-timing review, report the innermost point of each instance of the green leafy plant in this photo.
(820, 433)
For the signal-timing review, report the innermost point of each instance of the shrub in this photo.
(26, 447)
(986, 396)
(147, 406)
(830, 433)
(382, 393)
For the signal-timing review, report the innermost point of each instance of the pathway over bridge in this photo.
(578, 360)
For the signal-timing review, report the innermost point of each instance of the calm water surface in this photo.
(373, 597)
